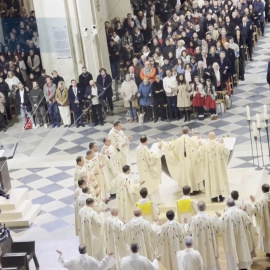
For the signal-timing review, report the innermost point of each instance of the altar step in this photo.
(18, 211)
(212, 208)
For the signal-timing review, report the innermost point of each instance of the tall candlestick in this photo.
(265, 114)
(258, 121)
(248, 113)
(255, 133)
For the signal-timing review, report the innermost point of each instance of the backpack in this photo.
(28, 123)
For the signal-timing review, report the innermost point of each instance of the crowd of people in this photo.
(134, 221)
(182, 57)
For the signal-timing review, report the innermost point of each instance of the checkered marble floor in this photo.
(45, 158)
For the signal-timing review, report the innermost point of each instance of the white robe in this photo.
(85, 262)
(113, 164)
(138, 230)
(181, 153)
(127, 193)
(79, 173)
(237, 238)
(187, 215)
(189, 259)
(137, 262)
(93, 233)
(262, 214)
(78, 205)
(115, 239)
(120, 143)
(205, 230)
(213, 157)
(170, 240)
(155, 210)
(149, 167)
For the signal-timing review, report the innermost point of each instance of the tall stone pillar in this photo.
(118, 8)
(52, 25)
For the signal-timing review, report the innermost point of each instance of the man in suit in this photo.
(75, 96)
(33, 62)
(224, 65)
(199, 72)
(94, 93)
(230, 55)
(105, 80)
(247, 33)
(84, 79)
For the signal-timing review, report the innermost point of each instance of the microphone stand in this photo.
(249, 121)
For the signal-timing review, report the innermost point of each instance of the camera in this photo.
(85, 32)
(94, 29)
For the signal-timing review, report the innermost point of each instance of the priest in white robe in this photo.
(140, 231)
(115, 239)
(120, 142)
(94, 168)
(137, 262)
(80, 171)
(237, 237)
(113, 163)
(205, 230)
(78, 192)
(213, 156)
(170, 240)
(127, 193)
(189, 258)
(149, 166)
(261, 210)
(85, 262)
(79, 207)
(181, 153)
(186, 207)
(150, 210)
(247, 207)
(93, 230)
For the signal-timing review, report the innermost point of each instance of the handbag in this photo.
(28, 123)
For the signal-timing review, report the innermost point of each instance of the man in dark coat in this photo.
(105, 80)
(246, 30)
(84, 79)
(75, 96)
(94, 93)
(4, 89)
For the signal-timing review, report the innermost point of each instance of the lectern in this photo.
(6, 152)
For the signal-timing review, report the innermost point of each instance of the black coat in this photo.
(71, 96)
(106, 84)
(4, 89)
(268, 73)
(57, 80)
(26, 103)
(247, 32)
(84, 80)
(225, 66)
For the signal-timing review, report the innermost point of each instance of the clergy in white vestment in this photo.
(127, 193)
(181, 153)
(113, 163)
(189, 259)
(120, 142)
(137, 262)
(93, 230)
(85, 262)
(115, 239)
(79, 207)
(149, 166)
(94, 171)
(142, 232)
(186, 207)
(170, 239)
(237, 237)
(247, 207)
(262, 214)
(205, 230)
(78, 192)
(80, 171)
(213, 156)
(101, 160)
(150, 210)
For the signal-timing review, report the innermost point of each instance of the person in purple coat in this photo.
(145, 95)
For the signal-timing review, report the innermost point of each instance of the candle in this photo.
(248, 113)
(265, 115)
(258, 121)
(255, 134)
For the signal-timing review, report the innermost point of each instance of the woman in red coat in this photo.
(210, 101)
(198, 100)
